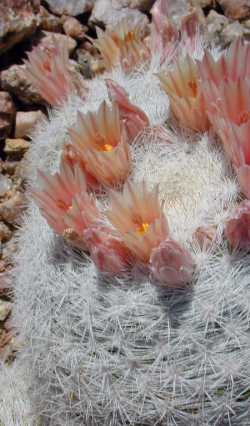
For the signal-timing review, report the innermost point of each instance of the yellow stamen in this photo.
(143, 228)
(62, 205)
(107, 147)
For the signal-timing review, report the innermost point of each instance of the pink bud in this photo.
(171, 264)
(133, 117)
(237, 228)
(106, 250)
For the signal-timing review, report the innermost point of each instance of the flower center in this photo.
(128, 38)
(102, 146)
(107, 147)
(142, 228)
(62, 205)
(193, 86)
(244, 117)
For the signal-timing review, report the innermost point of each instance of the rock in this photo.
(26, 121)
(5, 184)
(5, 233)
(246, 28)
(110, 12)
(143, 5)
(3, 268)
(18, 20)
(84, 61)
(8, 167)
(236, 9)
(231, 32)
(73, 28)
(9, 249)
(215, 25)
(47, 41)
(49, 22)
(202, 3)
(7, 114)
(72, 8)
(15, 81)
(16, 148)
(11, 208)
(5, 308)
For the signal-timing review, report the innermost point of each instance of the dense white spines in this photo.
(125, 352)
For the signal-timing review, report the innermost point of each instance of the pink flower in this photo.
(231, 66)
(171, 264)
(123, 45)
(168, 39)
(65, 203)
(186, 100)
(237, 229)
(163, 32)
(134, 119)
(50, 72)
(101, 144)
(226, 88)
(225, 84)
(137, 215)
(107, 250)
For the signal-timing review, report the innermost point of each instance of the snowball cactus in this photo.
(104, 348)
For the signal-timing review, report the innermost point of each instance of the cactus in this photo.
(117, 350)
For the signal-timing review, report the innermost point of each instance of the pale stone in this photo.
(7, 114)
(26, 121)
(16, 147)
(47, 41)
(70, 7)
(15, 81)
(5, 184)
(18, 20)
(110, 13)
(5, 308)
(5, 233)
(73, 28)
(231, 32)
(11, 208)
(236, 9)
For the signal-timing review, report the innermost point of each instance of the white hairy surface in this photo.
(115, 352)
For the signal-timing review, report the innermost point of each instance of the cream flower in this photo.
(186, 100)
(50, 72)
(122, 45)
(100, 142)
(65, 203)
(137, 215)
